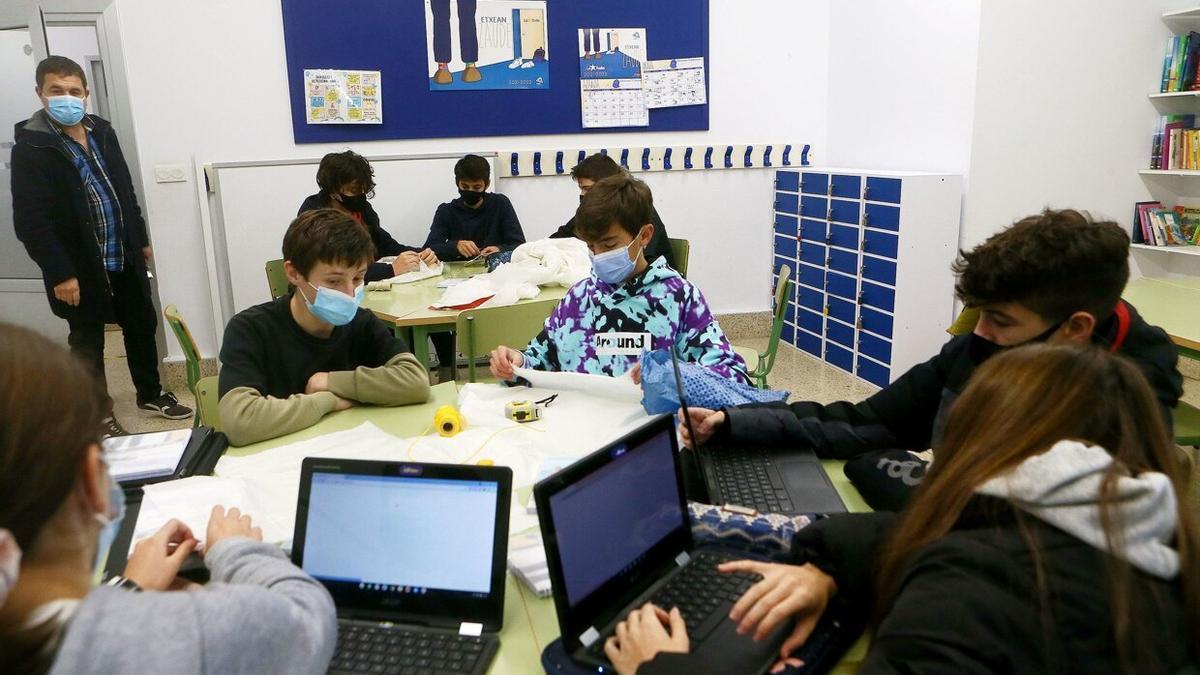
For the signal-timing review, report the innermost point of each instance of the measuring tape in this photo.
(527, 411)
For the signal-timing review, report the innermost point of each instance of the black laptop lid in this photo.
(406, 542)
(612, 524)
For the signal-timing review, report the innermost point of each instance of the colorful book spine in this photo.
(1166, 69)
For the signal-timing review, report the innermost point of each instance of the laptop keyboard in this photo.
(748, 477)
(367, 648)
(699, 590)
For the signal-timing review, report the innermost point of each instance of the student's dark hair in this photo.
(596, 167)
(1020, 403)
(344, 168)
(328, 236)
(472, 167)
(620, 199)
(51, 408)
(59, 65)
(1054, 263)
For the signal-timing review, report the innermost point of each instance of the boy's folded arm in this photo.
(400, 381)
(248, 417)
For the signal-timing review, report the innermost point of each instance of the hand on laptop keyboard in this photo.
(786, 591)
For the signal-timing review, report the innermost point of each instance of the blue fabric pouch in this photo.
(703, 387)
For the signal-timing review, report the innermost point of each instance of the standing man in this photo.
(75, 211)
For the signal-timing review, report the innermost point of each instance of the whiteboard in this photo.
(252, 204)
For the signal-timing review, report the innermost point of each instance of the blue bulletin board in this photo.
(389, 36)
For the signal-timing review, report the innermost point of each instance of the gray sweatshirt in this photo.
(259, 614)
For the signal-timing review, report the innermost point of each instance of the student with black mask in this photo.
(478, 223)
(1056, 276)
(347, 182)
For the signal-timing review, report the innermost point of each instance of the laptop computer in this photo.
(413, 555)
(790, 481)
(616, 531)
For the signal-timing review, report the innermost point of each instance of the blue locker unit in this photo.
(871, 250)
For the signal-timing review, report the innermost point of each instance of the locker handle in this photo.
(865, 218)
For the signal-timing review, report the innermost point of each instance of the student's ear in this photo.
(93, 484)
(1079, 327)
(646, 234)
(293, 275)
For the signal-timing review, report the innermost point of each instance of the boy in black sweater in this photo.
(478, 223)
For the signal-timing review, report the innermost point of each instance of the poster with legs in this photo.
(486, 44)
(610, 77)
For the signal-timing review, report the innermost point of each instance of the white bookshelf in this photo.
(1180, 250)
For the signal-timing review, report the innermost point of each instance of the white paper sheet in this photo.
(674, 82)
(423, 271)
(621, 388)
(145, 455)
(191, 500)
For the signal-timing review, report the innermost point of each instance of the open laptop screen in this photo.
(607, 522)
(406, 542)
(391, 531)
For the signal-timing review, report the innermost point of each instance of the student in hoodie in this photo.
(598, 167)
(1051, 535)
(627, 305)
(1052, 277)
(60, 513)
(478, 223)
(288, 362)
(347, 182)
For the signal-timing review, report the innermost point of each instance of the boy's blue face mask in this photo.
(110, 524)
(615, 266)
(334, 307)
(66, 110)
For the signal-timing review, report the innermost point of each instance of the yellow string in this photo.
(479, 449)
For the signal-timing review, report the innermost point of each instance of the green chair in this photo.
(191, 354)
(207, 398)
(277, 279)
(1187, 425)
(680, 250)
(763, 362)
(965, 323)
(483, 329)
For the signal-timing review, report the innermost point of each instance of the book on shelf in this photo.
(1180, 63)
(1156, 225)
(1189, 224)
(1141, 233)
(1172, 146)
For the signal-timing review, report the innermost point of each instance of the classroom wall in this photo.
(207, 79)
(902, 84)
(1061, 114)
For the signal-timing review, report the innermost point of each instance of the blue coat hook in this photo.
(687, 158)
(515, 170)
(708, 158)
(537, 163)
(667, 159)
(558, 157)
(787, 150)
(582, 154)
(804, 156)
(767, 156)
(625, 158)
(747, 161)
(729, 157)
(604, 151)
(645, 159)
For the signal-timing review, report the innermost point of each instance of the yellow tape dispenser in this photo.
(448, 421)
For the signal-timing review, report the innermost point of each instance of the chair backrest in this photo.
(680, 250)
(207, 398)
(483, 329)
(191, 354)
(965, 323)
(783, 291)
(277, 279)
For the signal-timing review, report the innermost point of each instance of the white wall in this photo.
(76, 43)
(1061, 116)
(902, 84)
(208, 79)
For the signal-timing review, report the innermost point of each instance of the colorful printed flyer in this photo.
(610, 77)
(343, 96)
(674, 82)
(486, 44)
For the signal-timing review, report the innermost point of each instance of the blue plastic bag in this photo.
(703, 387)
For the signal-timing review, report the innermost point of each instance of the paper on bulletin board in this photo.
(610, 77)
(486, 44)
(343, 96)
(674, 82)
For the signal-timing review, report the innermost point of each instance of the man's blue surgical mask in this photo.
(615, 266)
(110, 523)
(66, 110)
(334, 307)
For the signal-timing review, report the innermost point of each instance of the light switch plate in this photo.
(170, 173)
